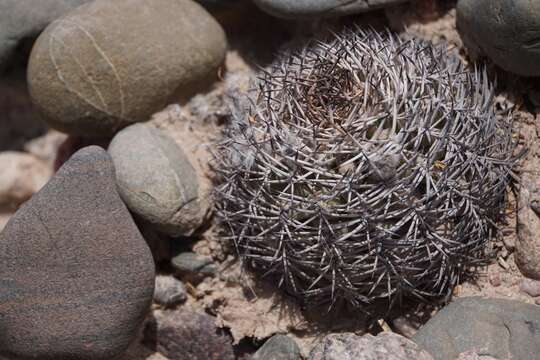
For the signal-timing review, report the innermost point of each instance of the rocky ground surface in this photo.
(206, 306)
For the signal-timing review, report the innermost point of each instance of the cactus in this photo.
(365, 169)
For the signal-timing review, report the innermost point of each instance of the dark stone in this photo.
(278, 347)
(506, 31)
(188, 335)
(77, 277)
(193, 265)
(503, 329)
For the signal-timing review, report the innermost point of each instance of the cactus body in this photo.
(365, 168)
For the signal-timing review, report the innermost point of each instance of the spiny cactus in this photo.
(365, 168)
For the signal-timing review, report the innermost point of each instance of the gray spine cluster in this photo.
(365, 168)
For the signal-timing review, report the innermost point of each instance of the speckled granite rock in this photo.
(108, 64)
(76, 276)
(20, 19)
(188, 335)
(385, 346)
(320, 8)
(506, 31)
(503, 329)
(156, 180)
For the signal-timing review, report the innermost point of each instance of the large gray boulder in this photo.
(76, 277)
(506, 31)
(109, 64)
(503, 329)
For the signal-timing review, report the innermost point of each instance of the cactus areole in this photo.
(365, 169)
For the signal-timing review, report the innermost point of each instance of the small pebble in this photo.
(278, 347)
(169, 291)
(193, 265)
(535, 205)
(509, 243)
(404, 326)
(530, 287)
(495, 279)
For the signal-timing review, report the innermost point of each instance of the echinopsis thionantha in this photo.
(365, 168)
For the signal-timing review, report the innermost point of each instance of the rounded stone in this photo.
(387, 346)
(108, 64)
(506, 31)
(169, 291)
(500, 328)
(77, 277)
(279, 347)
(291, 9)
(193, 265)
(156, 180)
(21, 19)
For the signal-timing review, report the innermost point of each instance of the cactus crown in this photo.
(365, 168)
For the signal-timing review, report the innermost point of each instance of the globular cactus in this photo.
(365, 168)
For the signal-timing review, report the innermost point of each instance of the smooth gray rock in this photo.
(189, 263)
(156, 180)
(169, 291)
(503, 329)
(109, 64)
(291, 9)
(506, 31)
(278, 347)
(20, 19)
(76, 277)
(385, 346)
